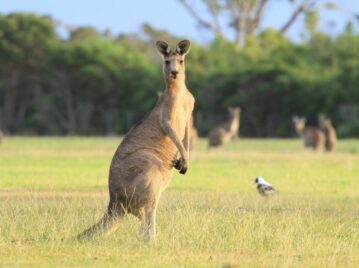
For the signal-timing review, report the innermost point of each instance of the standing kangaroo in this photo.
(329, 133)
(143, 163)
(226, 131)
(312, 136)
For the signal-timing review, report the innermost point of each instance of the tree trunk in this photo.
(10, 101)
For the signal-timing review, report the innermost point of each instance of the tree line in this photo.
(94, 83)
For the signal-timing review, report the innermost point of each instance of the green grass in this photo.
(52, 188)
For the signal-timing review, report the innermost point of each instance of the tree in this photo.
(100, 85)
(25, 40)
(84, 33)
(97, 84)
(244, 17)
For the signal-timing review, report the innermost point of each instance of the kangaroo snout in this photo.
(174, 73)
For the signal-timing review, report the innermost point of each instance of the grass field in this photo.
(52, 188)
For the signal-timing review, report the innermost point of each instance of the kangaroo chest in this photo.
(180, 114)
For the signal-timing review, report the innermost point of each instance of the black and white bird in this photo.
(264, 188)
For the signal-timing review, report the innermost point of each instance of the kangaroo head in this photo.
(173, 61)
(299, 122)
(327, 123)
(234, 112)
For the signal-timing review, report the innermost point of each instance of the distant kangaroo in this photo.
(143, 163)
(329, 133)
(312, 136)
(226, 131)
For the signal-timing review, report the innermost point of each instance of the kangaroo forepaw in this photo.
(177, 164)
(183, 170)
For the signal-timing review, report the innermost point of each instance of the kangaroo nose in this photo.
(174, 73)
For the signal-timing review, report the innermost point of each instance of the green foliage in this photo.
(84, 33)
(348, 130)
(311, 20)
(95, 85)
(24, 39)
(25, 42)
(109, 78)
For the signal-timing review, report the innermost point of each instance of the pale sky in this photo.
(128, 16)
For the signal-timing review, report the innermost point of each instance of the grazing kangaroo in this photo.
(142, 166)
(329, 133)
(226, 131)
(312, 136)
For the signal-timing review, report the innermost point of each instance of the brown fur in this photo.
(226, 131)
(329, 134)
(143, 163)
(193, 136)
(312, 137)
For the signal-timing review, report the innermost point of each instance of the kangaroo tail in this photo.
(107, 224)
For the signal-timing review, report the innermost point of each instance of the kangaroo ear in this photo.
(183, 47)
(163, 48)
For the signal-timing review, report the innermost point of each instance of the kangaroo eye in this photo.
(167, 62)
(181, 61)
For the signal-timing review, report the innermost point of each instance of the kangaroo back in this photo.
(312, 137)
(226, 131)
(330, 136)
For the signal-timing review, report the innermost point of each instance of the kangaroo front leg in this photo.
(186, 140)
(178, 164)
(168, 129)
